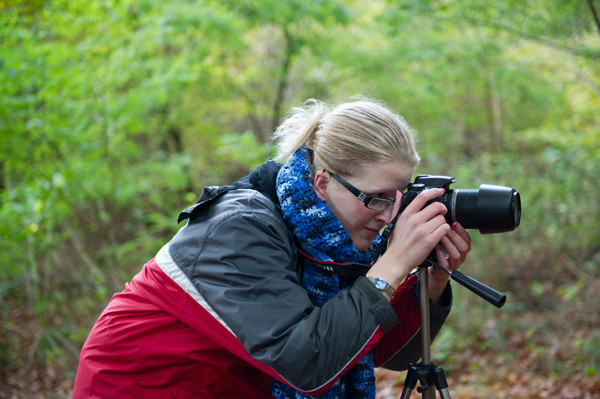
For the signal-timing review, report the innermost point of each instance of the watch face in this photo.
(380, 284)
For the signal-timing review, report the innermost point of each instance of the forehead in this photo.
(384, 176)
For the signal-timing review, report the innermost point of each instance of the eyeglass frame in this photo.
(364, 198)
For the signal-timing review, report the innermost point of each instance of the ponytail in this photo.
(299, 128)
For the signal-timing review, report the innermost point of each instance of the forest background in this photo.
(114, 114)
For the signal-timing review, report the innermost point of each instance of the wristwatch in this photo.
(382, 285)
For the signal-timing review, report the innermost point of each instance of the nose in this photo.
(385, 215)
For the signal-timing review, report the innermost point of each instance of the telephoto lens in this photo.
(491, 209)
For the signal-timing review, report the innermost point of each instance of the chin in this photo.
(363, 242)
(363, 245)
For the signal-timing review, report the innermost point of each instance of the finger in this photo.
(428, 212)
(438, 229)
(423, 198)
(460, 230)
(456, 247)
(452, 254)
(460, 239)
(418, 238)
(433, 210)
(455, 240)
(440, 254)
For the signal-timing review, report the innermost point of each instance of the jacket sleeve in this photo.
(238, 259)
(401, 345)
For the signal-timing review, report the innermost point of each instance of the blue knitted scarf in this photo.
(322, 237)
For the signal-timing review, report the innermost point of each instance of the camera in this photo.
(491, 209)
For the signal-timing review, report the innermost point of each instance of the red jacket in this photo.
(179, 350)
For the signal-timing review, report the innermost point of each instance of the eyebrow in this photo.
(376, 193)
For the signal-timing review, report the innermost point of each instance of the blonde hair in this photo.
(343, 138)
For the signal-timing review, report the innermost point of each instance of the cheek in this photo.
(345, 209)
(351, 213)
(355, 217)
(362, 216)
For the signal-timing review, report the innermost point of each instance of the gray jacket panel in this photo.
(241, 257)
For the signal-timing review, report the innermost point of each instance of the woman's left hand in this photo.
(451, 252)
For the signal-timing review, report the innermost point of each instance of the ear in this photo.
(320, 184)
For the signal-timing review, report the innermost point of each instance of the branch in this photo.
(290, 49)
(588, 82)
(543, 40)
(594, 14)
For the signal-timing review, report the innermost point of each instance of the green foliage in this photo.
(115, 114)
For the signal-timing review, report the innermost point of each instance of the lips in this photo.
(372, 232)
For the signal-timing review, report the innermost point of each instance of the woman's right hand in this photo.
(416, 233)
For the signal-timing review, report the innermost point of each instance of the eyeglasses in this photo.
(373, 203)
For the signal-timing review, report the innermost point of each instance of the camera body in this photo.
(491, 209)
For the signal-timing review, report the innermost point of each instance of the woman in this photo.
(263, 292)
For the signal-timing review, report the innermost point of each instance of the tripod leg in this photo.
(410, 382)
(441, 384)
(425, 371)
(428, 394)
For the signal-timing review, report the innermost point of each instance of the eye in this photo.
(387, 195)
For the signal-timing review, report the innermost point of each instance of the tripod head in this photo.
(494, 297)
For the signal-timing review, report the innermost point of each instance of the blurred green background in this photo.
(114, 114)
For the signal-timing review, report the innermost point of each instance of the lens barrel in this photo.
(491, 209)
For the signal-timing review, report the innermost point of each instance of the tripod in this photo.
(427, 373)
